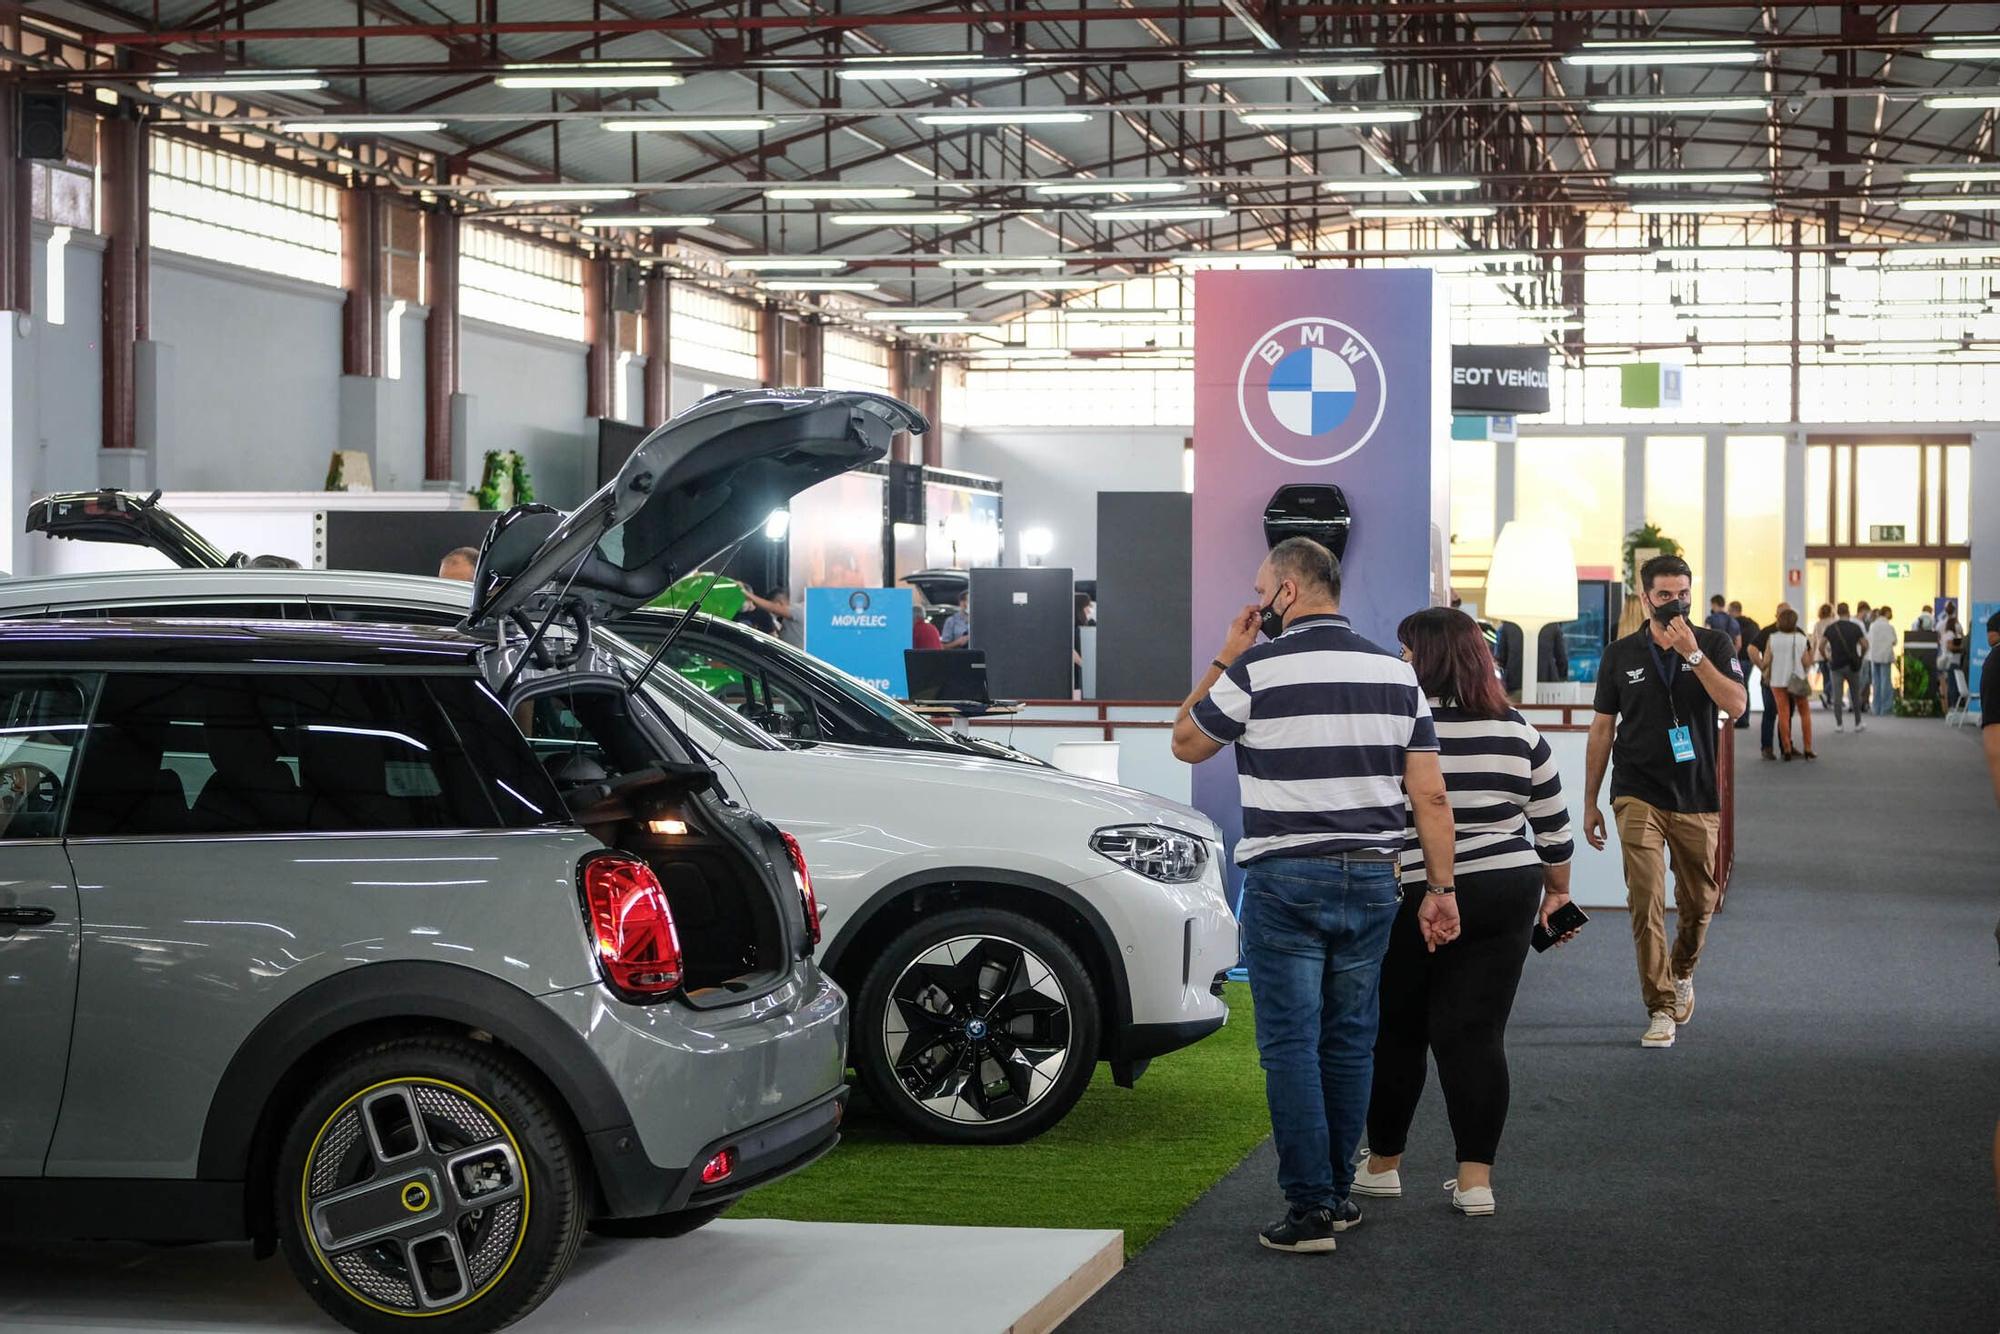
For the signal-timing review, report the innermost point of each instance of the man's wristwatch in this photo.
(1696, 658)
(1440, 889)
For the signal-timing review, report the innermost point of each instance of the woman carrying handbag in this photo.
(1789, 658)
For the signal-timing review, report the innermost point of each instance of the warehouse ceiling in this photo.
(1185, 131)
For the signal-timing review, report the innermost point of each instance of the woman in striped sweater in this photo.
(1512, 866)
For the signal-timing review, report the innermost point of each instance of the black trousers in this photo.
(1453, 1004)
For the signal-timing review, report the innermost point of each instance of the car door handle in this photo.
(27, 916)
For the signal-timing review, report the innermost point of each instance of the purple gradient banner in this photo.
(1339, 376)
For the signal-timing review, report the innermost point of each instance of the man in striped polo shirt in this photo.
(1331, 733)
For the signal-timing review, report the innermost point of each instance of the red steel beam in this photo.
(441, 328)
(123, 173)
(659, 317)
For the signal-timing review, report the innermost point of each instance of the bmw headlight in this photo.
(1154, 851)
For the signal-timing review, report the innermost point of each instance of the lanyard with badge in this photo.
(1679, 736)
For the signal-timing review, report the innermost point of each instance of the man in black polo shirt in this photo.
(1747, 631)
(1989, 705)
(1659, 690)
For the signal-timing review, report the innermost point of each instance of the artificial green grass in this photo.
(1130, 1159)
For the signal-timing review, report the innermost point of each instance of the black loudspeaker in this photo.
(1316, 511)
(906, 493)
(628, 288)
(42, 125)
(923, 371)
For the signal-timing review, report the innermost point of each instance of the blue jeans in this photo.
(1884, 699)
(1314, 933)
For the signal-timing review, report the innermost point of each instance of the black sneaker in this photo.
(1346, 1214)
(1305, 1231)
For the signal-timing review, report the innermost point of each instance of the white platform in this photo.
(757, 1277)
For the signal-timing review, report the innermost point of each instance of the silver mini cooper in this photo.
(414, 952)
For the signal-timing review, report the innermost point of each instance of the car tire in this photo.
(676, 1224)
(433, 1124)
(976, 1026)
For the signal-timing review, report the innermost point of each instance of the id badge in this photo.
(1682, 741)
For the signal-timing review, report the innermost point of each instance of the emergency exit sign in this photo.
(1887, 532)
(1895, 569)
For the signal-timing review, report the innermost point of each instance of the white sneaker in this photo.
(1381, 1185)
(1860, 726)
(1683, 1000)
(1474, 1203)
(1660, 1032)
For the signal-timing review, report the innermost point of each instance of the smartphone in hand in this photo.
(1565, 919)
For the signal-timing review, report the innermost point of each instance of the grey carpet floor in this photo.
(1814, 1153)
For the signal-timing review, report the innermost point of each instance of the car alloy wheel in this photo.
(415, 1196)
(429, 1179)
(977, 1029)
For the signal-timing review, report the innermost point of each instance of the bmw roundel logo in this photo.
(857, 601)
(1311, 390)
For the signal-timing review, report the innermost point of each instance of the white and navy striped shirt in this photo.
(1321, 720)
(1504, 786)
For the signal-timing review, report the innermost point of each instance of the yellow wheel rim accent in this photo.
(305, 1202)
(415, 1198)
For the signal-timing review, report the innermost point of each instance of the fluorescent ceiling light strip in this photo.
(1964, 102)
(1951, 204)
(1666, 106)
(1470, 258)
(1423, 211)
(1949, 175)
(1951, 51)
(773, 263)
(1379, 116)
(916, 313)
(597, 78)
(246, 83)
(1041, 284)
(1241, 259)
(360, 126)
(1689, 178)
(693, 125)
(1001, 265)
(1355, 185)
(978, 118)
(528, 194)
(886, 219)
(899, 73)
(1703, 206)
(1345, 69)
(989, 330)
(646, 220)
(1021, 353)
(1607, 58)
(818, 285)
(1056, 188)
(1158, 214)
(841, 192)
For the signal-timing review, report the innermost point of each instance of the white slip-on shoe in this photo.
(1380, 1185)
(1474, 1203)
(1660, 1032)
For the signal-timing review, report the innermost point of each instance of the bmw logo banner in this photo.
(1327, 376)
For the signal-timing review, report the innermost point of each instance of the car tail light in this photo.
(804, 877)
(632, 925)
(719, 1167)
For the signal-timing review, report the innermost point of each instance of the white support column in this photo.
(1795, 518)
(18, 433)
(1715, 525)
(1985, 507)
(1635, 481)
(1503, 483)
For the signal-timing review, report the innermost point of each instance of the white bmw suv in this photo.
(1000, 928)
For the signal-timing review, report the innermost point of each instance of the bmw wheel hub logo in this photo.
(1311, 391)
(976, 1029)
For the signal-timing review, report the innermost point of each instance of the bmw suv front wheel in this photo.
(977, 1026)
(427, 1181)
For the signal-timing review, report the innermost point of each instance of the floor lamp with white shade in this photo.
(1532, 582)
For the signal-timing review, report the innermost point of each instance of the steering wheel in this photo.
(28, 788)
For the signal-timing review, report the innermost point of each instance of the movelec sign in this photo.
(1500, 379)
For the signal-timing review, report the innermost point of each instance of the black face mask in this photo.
(1670, 612)
(1270, 620)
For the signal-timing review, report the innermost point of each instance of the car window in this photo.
(737, 681)
(672, 694)
(400, 614)
(232, 753)
(42, 720)
(196, 608)
(519, 788)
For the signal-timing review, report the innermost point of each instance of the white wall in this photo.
(1985, 500)
(253, 394)
(528, 394)
(59, 399)
(1051, 477)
